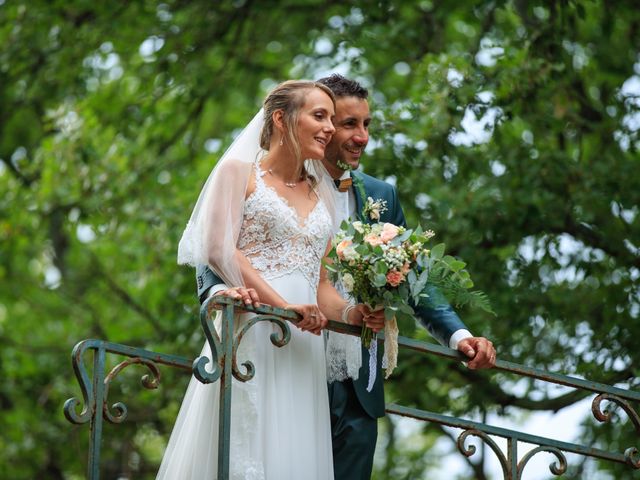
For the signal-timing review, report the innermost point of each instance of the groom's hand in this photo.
(479, 350)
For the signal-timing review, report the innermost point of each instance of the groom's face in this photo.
(351, 136)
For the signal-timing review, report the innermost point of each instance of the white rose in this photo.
(350, 254)
(358, 226)
(347, 282)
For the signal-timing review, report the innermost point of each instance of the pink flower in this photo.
(373, 239)
(394, 278)
(340, 248)
(389, 232)
(405, 268)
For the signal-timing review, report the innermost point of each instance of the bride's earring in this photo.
(281, 142)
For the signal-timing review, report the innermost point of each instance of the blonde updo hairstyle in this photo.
(288, 97)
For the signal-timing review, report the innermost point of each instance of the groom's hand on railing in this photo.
(479, 350)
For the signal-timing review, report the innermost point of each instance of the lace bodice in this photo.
(276, 240)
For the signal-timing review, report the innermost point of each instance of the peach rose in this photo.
(373, 239)
(394, 278)
(340, 248)
(389, 232)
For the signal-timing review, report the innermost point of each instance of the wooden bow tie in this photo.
(344, 184)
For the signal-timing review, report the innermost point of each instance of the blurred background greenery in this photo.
(509, 127)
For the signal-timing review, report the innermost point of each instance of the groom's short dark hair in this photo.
(343, 87)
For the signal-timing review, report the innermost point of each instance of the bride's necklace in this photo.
(288, 184)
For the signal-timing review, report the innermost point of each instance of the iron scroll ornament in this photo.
(213, 339)
(631, 454)
(229, 307)
(277, 340)
(556, 468)
(149, 381)
(86, 388)
(471, 449)
(94, 390)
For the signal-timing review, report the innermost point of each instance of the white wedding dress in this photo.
(280, 424)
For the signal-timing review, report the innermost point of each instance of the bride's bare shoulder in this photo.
(238, 172)
(234, 166)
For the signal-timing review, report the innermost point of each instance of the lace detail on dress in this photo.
(344, 357)
(274, 238)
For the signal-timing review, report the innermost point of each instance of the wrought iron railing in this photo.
(95, 391)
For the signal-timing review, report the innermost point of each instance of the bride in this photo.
(263, 221)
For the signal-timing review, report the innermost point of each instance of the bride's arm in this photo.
(333, 305)
(313, 319)
(331, 302)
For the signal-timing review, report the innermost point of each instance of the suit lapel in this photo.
(356, 193)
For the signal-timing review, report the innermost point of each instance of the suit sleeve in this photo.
(205, 279)
(433, 312)
(395, 209)
(436, 315)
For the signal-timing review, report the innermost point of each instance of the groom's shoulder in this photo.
(373, 182)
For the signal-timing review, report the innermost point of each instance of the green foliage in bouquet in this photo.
(383, 265)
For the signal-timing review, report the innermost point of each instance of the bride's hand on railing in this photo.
(313, 320)
(247, 295)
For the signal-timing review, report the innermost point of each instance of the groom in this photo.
(354, 411)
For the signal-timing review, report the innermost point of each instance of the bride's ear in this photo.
(278, 120)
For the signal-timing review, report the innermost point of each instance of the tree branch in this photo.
(125, 297)
(504, 399)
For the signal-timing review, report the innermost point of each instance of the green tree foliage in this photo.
(510, 128)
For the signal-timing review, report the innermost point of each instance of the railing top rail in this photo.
(263, 309)
(417, 345)
(129, 351)
(523, 370)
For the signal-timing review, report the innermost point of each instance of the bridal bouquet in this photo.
(387, 266)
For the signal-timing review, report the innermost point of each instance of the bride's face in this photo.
(315, 127)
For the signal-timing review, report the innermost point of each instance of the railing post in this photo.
(96, 405)
(512, 459)
(226, 379)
